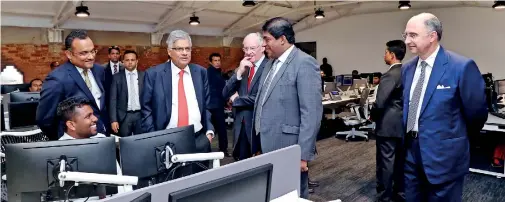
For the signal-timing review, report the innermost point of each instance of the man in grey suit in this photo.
(245, 82)
(288, 108)
(125, 92)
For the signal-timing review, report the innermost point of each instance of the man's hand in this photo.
(115, 127)
(243, 64)
(209, 136)
(233, 97)
(303, 166)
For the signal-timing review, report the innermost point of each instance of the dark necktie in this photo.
(416, 98)
(115, 69)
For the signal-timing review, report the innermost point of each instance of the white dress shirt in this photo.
(256, 66)
(95, 90)
(430, 61)
(112, 67)
(189, 89)
(133, 105)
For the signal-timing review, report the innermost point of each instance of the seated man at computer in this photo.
(35, 85)
(78, 118)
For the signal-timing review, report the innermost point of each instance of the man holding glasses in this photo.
(79, 76)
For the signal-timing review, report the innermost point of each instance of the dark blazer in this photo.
(156, 96)
(387, 111)
(64, 82)
(454, 104)
(216, 85)
(119, 95)
(108, 79)
(244, 103)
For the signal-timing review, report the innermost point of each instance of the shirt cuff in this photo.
(210, 132)
(239, 77)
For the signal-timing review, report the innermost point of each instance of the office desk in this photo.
(490, 127)
(334, 104)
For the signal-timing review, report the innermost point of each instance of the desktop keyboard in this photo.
(498, 114)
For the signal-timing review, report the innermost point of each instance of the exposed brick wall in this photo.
(33, 60)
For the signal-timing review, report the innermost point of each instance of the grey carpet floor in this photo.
(346, 171)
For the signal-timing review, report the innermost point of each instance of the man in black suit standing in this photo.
(246, 82)
(217, 101)
(111, 68)
(125, 92)
(387, 112)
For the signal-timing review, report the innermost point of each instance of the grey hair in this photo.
(258, 35)
(433, 24)
(178, 35)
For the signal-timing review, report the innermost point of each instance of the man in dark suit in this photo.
(176, 93)
(111, 68)
(246, 82)
(217, 101)
(444, 101)
(80, 76)
(288, 107)
(387, 115)
(125, 92)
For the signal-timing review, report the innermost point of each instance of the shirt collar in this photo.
(176, 70)
(81, 69)
(431, 59)
(258, 63)
(66, 136)
(134, 71)
(112, 64)
(286, 53)
(399, 63)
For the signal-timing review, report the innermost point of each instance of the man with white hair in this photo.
(176, 93)
(444, 101)
(245, 83)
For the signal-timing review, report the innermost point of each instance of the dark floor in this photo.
(346, 171)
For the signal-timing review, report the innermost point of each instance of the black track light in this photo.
(404, 5)
(81, 11)
(194, 20)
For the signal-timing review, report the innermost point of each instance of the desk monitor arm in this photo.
(171, 158)
(91, 178)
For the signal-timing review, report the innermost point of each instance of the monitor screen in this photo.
(22, 114)
(24, 96)
(15, 87)
(339, 79)
(499, 86)
(347, 80)
(249, 186)
(146, 197)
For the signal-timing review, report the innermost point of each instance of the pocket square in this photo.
(443, 87)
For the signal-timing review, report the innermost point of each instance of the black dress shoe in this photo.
(313, 184)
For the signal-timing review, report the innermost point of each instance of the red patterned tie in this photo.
(183, 117)
(249, 79)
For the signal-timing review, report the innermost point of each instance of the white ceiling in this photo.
(218, 18)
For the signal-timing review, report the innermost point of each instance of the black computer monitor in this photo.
(347, 80)
(33, 168)
(24, 96)
(24, 87)
(499, 86)
(249, 186)
(339, 79)
(146, 197)
(22, 114)
(143, 156)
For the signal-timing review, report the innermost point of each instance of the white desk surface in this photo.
(493, 119)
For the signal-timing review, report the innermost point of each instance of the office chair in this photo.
(357, 119)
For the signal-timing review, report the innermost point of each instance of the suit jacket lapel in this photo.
(124, 86)
(267, 68)
(198, 86)
(167, 87)
(437, 72)
(140, 81)
(409, 77)
(99, 79)
(257, 73)
(281, 71)
(74, 73)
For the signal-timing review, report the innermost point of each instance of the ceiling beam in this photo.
(230, 31)
(169, 14)
(60, 11)
(248, 14)
(65, 15)
(184, 17)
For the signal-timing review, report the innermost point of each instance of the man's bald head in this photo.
(422, 34)
(430, 21)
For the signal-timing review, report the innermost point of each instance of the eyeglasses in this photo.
(413, 35)
(181, 49)
(86, 53)
(245, 49)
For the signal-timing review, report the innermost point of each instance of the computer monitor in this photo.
(347, 80)
(24, 96)
(143, 155)
(146, 197)
(15, 87)
(339, 80)
(499, 86)
(253, 185)
(33, 168)
(22, 114)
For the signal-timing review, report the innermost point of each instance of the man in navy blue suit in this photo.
(176, 93)
(444, 101)
(79, 76)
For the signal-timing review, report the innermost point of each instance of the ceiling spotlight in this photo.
(499, 5)
(404, 5)
(249, 4)
(194, 20)
(81, 11)
(319, 14)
